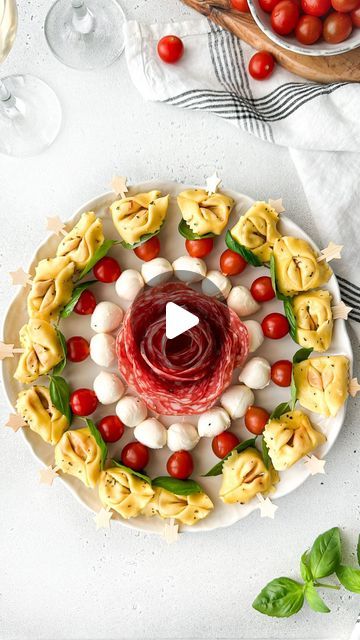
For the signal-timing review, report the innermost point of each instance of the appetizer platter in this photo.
(203, 428)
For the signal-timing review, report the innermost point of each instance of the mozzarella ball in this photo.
(182, 436)
(241, 301)
(108, 387)
(213, 422)
(102, 349)
(129, 284)
(256, 373)
(236, 400)
(216, 284)
(106, 317)
(256, 335)
(131, 411)
(156, 271)
(189, 269)
(151, 433)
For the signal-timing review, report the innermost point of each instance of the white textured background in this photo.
(59, 578)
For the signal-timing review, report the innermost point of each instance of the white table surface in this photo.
(59, 578)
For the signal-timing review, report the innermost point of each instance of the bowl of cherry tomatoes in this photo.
(310, 27)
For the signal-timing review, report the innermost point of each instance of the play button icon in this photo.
(178, 320)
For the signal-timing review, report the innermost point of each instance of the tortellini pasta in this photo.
(314, 321)
(257, 230)
(245, 475)
(124, 492)
(80, 244)
(205, 213)
(139, 215)
(296, 266)
(35, 407)
(42, 350)
(289, 438)
(186, 509)
(322, 383)
(78, 454)
(51, 288)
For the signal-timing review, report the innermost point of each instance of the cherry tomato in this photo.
(256, 419)
(275, 326)
(107, 270)
(224, 443)
(308, 29)
(149, 249)
(345, 6)
(78, 349)
(268, 5)
(281, 372)
(111, 428)
(83, 402)
(240, 5)
(262, 64)
(86, 303)
(180, 465)
(231, 263)
(135, 455)
(337, 27)
(262, 289)
(284, 17)
(170, 49)
(355, 17)
(316, 7)
(199, 248)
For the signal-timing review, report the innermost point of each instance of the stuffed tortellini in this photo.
(51, 288)
(257, 230)
(322, 383)
(78, 454)
(205, 213)
(185, 509)
(245, 475)
(35, 407)
(296, 266)
(80, 244)
(289, 438)
(314, 321)
(124, 492)
(42, 350)
(139, 215)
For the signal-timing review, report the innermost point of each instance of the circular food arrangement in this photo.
(153, 424)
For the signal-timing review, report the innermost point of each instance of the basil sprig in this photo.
(349, 578)
(98, 439)
(189, 234)
(281, 598)
(289, 312)
(179, 487)
(142, 476)
(60, 396)
(217, 469)
(59, 368)
(244, 252)
(69, 307)
(299, 356)
(99, 253)
(282, 408)
(265, 453)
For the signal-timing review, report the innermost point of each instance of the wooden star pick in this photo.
(20, 277)
(171, 531)
(213, 183)
(15, 422)
(48, 475)
(267, 508)
(314, 465)
(331, 252)
(56, 225)
(8, 350)
(354, 387)
(277, 205)
(340, 311)
(118, 185)
(102, 519)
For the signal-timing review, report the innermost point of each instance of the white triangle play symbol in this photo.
(178, 320)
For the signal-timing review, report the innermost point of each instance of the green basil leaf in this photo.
(59, 368)
(358, 550)
(349, 578)
(69, 307)
(99, 253)
(134, 473)
(314, 600)
(281, 598)
(99, 440)
(180, 487)
(265, 453)
(248, 255)
(301, 355)
(304, 567)
(282, 408)
(293, 393)
(217, 469)
(325, 554)
(289, 312)
(188, 233)
(60, 396)
(273, 273)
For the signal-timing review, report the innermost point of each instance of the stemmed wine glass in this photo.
(30, 113)
(85, 34)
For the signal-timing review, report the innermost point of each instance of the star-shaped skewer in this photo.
(56, 225)
(118, 185)
(340, 311)
(213, 183)
(267, 508)
(354, 387)
(171, 531)
(277, 205)
(102, 519)
(8, 350)
(331, 252)
(15, 422)
(314, 465)
(48, 475)
(20, 277)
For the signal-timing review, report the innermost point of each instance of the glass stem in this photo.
(83, 21)
(7, 101)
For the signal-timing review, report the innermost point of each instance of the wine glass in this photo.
(85, 34)
(30, 113)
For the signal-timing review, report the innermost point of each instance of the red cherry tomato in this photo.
(316, 7)
(308, 29)
(180, 465)
(281, 372)
(86, 303)
(149, 249)
(284, 17)
(345, 6)
(83, 402)
(262, 64)
(224, 443)
(337, 27)
(199, 248)
(256, 419)
(275, 326)
(170, 49)
(240, 5)
(268, 5)
(355, 17)
(78, 349)
(231, 263)
(262, 289)
(111, 428)
(135, 455)
(107, 270)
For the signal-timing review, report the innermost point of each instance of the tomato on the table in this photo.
(316, 7)
(345, 6)
(256, 419)
(240, 5)
(355, 17)
(83, 402)
(107, 270)
(224, 443)
(199, 248)
(149, 249)
(281, 372)
(170, 49)
(86, 304)
(262, 289)
(268, 5)
(309, 29)
(261, 64)
(231, 263)
(180, 465)
(275, 326)
(337, 27)
(284, 17)
(111, 428)
(135, 455)
(77, 349)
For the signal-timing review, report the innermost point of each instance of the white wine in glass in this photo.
(30, 112)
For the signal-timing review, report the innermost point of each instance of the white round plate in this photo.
(82, 374)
